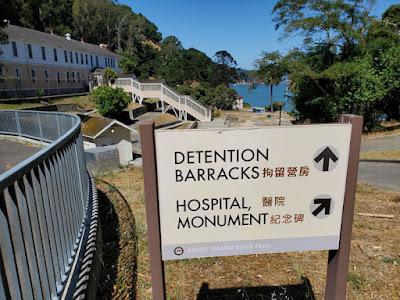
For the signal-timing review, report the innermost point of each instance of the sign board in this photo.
(251, 190)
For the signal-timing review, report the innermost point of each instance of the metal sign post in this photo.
(331, 152)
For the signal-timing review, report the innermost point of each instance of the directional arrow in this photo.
(324, 203)
(326, 155)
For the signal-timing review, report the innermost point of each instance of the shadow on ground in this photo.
(283, 292)
(118, 232)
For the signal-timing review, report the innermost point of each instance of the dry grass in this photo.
(381, 155)
(374, 135)
(243, 118)
(164, 119)
(82, 101)
(19, 105)
(375, 255)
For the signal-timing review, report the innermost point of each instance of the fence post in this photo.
(40, 126)
(18, 124)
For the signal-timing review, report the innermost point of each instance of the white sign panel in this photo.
(254, 190)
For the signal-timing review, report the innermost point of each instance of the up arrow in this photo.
(326, 155)
(324, 203)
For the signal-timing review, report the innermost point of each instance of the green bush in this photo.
(109, 102)
(110, 75)
(276, 106)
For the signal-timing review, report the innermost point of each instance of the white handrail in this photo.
(170, 94)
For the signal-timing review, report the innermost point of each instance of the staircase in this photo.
(181, 105)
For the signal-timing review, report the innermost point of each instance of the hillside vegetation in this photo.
(144, 51)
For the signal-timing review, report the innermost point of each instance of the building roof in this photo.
(93, 127)
(51, 40)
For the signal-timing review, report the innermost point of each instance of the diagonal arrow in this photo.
(326, 155)
(324, 203)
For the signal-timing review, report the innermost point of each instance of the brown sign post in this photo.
(338, 261)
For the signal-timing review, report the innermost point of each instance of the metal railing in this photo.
(44, 202)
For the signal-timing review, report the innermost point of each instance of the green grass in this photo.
(390, 260)
(357, 281)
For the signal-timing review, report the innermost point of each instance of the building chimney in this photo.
(6, 22)
(68, 36)
(103, 46)
(82, 41)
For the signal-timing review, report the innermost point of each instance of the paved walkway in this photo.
(13, 151)
(385, 175)
(383, 143)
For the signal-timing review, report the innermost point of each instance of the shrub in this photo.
(109, 75)
(109, 102)
(276, 106)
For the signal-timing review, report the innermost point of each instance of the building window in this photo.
(79, 77)
(18, 74)
(55, 54)
(71, 58)
(73, 77)
(97, 61)
(67, 75)
(33, 75)
(76, 58)
(65, 56)
(46, 76)
(15, 50)
(43, 53)
(58, 77)
(86, 59)
(30, 54)
(1, 74)
(91, 60)
(81, 59)
(105, 62)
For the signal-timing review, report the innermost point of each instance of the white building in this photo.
(36, 63)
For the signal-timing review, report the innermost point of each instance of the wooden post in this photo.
(338, 260)
(152, 211)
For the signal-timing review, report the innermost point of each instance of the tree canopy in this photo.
(144, 51)
(348, 63)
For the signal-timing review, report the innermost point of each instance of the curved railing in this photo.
(46, 204)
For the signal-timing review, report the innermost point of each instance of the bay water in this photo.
(259, 95)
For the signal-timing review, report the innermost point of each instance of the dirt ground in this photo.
(374, 271)
(243, 118)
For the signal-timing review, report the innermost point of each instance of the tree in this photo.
(223, 57)
(341, 23)
(271, 71)
(110, 102)
(171, 41)
(56, 16)
(348, 62)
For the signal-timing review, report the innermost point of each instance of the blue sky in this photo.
(243, 28)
